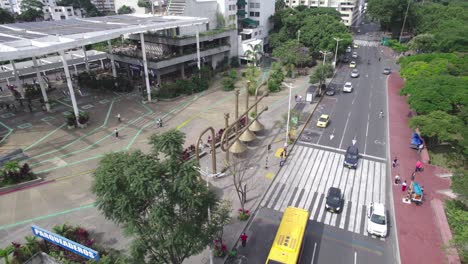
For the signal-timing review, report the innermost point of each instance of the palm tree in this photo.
(5, 253)
(322, 72)
(253, 52)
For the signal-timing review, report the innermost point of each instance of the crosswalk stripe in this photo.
(309, 173)
(286, 196)
(306, 178)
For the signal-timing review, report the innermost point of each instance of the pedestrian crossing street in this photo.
(306, 177)
(366, 43)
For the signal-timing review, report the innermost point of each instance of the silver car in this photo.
(354, 73)
(354, 54)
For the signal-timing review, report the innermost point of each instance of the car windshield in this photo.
(335, 198)
(351, 156)
(322, 119)
(378, 219)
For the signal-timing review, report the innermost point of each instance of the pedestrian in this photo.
(116, 133)
(379, 58)
(419, 166)
(395, 162)
(1, 89)
(160, 122)
(413, 175)
(420, 148)
(397, 179)
(30, 108)
(295, 97)
(201, 145)
(300, 98)
(243, 238)
(403, 186)
(118, 117)
(422, 189)
(381, 114)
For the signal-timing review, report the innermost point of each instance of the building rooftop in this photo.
(24, 40)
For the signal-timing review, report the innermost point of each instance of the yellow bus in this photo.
(287, 246)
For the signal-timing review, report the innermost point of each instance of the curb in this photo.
(22, 186)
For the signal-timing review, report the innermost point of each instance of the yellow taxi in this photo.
(355, 45)
(323, 121)
(352, 64)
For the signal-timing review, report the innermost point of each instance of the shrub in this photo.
(235, 62)
(274, 85)
(229, 81)
(13, 173)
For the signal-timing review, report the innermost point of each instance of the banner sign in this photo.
(65, 243)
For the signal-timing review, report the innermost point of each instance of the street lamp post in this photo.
(404, 21)
(298, 35)
(289, 112)
(336, 51)
(324, 53)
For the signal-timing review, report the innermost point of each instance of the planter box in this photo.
(20, 185)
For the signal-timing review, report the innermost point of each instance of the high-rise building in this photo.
(349, 9)
(50, 9)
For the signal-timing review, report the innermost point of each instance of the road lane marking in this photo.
(341, 150)
(355, 257)
(44, 137)
(344, 131)
(313, 253)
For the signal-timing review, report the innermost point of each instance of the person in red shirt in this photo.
(243, 238)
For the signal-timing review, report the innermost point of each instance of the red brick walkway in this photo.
(420, 231)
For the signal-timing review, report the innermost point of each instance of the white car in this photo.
(377, 220)
(348, 49)
(354, 55)
(348, 87)
(354, 73)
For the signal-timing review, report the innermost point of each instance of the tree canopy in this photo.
(31, 10)
(159, 199)
(438, 126)
(391, 13)
(89, 8)
(6, 17)
(292, 52)
(125, 10)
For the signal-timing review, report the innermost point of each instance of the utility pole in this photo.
(336, 51)
(404, 21)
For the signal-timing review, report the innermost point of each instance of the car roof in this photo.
(334, 190)
(379, 208)
(352, 149)
(353, 62)
(347, 83)
(324, 116)
(355, 70)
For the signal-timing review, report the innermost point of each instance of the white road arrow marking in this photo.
(354, 140)
(331, 136)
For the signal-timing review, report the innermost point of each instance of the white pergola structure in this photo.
(34, 39)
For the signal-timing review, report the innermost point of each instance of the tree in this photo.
(293, 52)
(31, 10)
(238, 171)
(422, 43)
(438, 126)
(391, 13)
(6, 252)
(6, 17)
(229, 81)
(159, 199)
(89, 8)
(460, 185)
(318, 33)
(125, 10)
(144, 4)
(279, 5)
(320, 75)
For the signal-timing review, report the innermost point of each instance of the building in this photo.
(60, 12)
(104, 6)
(160, 6)
(8, 5)
(349, 9)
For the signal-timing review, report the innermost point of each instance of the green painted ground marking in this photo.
(95, 143)
(88, 106)
(47, 119)
(44, 137)
(105, 101)
(46, 216)
(181, 106)
(24, 126)
(10, 130)
(66, 113)
(7, 115)
(78, 139)
(71, 163)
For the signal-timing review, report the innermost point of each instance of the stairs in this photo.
(176, 7)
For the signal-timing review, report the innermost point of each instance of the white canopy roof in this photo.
(25, 40)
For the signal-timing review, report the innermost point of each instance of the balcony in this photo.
(187, 40)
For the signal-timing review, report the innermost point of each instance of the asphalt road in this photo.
(316, 164)
(355, 116)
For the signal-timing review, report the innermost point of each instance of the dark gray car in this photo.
(351, 157)
(334, 200)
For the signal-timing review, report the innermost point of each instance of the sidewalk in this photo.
(423, 231)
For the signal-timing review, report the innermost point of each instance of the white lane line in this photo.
(342, 187)
(291, 179)
(339, 173)
(377, 182)
(299, 176)
(355, 257)
(320, 186)
(370, 184)
(362, 191)
(367, 132)
(283, 176)
(310, 178)
(316, 177)
(328, 183)
(344, 131)
(313, 253)
(332, 183)
(348, 191)
(341, 150)
(383, 182)
(355, 199)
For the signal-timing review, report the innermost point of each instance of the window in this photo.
(257, 14)
(257, 5)
(254, 14)
(232, 17)
(254, 5)
(251, 14)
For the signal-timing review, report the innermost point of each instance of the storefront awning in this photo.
(241, 2)
(250, 22)
(241, 13)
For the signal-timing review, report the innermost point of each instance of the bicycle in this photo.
(381, 114)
